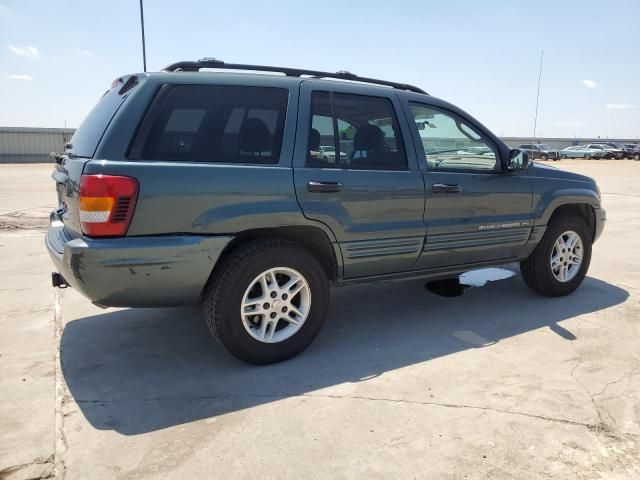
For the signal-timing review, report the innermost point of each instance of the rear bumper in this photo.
(136, 271)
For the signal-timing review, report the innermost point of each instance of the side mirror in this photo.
(518, 160)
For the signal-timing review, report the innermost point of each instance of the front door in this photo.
(475, 212)
(355, 170)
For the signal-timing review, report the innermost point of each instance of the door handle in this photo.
(444, 188)
(324, 187)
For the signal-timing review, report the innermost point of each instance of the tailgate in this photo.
(67, 177)
(81, 149)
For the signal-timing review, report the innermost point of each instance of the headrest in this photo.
(254, 136)
(368, 137)
(314, 139)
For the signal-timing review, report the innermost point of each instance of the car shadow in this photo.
(141, 370)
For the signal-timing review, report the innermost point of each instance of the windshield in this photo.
(544, 147)
(328, 148)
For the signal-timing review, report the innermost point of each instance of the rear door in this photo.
(371, 194)
(474, 211)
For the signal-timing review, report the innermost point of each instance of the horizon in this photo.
(588, 76)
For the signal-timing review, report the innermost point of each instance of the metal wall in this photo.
(31, 145)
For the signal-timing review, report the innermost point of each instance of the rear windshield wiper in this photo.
(59, 157)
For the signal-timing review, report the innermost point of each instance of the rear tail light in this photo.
(107, 203)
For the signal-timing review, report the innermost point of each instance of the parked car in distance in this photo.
(609, 151)
(328, 153)
(188, 186)
(635, 150)
(540, 151)
(627, 152)
(577, 151)
(601, 148)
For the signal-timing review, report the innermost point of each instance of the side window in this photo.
(214, 123)
(354, 132)
(450, 144)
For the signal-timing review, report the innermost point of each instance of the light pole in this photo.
(144, 50)
(535, 120)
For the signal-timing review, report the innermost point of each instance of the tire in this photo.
(543, 158)
(230, 285)
(564, 157)
(536, 270)
(587, 156)
(636, 156)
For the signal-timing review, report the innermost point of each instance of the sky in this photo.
(58, 57)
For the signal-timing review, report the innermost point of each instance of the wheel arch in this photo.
(311, 237)
(584, 211)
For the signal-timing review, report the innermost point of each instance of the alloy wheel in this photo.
(275, 305)
(566, 256)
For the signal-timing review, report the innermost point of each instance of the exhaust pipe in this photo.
(58, 280)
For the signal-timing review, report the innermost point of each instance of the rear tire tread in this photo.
(223, 275)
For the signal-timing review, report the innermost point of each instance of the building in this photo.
(31, 145)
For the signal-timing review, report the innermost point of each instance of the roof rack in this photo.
(190, 66)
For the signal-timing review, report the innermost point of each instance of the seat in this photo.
(314, 158)
(254, 138)
(314, 140)
(369, 147)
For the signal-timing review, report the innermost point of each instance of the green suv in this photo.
(187, 186)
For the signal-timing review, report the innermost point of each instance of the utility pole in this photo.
(144, 50)
(535, 120)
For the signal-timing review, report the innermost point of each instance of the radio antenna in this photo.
(144, 48)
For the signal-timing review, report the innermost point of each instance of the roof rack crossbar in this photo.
(191, 66)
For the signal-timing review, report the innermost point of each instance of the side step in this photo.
(58, 280)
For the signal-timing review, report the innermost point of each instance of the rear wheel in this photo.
(267, 301)
(587, 156)
(560, 262)
(636, 156)
(543, 158)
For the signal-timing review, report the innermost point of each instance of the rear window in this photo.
(86, 138)
(213, 123)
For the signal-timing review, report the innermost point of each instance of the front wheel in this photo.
(267, 301)
(560, 262)
(587, 156)
(543, 158)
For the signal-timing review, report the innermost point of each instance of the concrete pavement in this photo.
(401, 383)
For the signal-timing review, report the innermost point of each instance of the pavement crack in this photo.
(582, 385)
(11, 470)
(594, 427)
(460, 406)
(60, 438)
(627, 376)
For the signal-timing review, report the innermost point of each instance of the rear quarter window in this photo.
(86, 138)
(213, 123)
